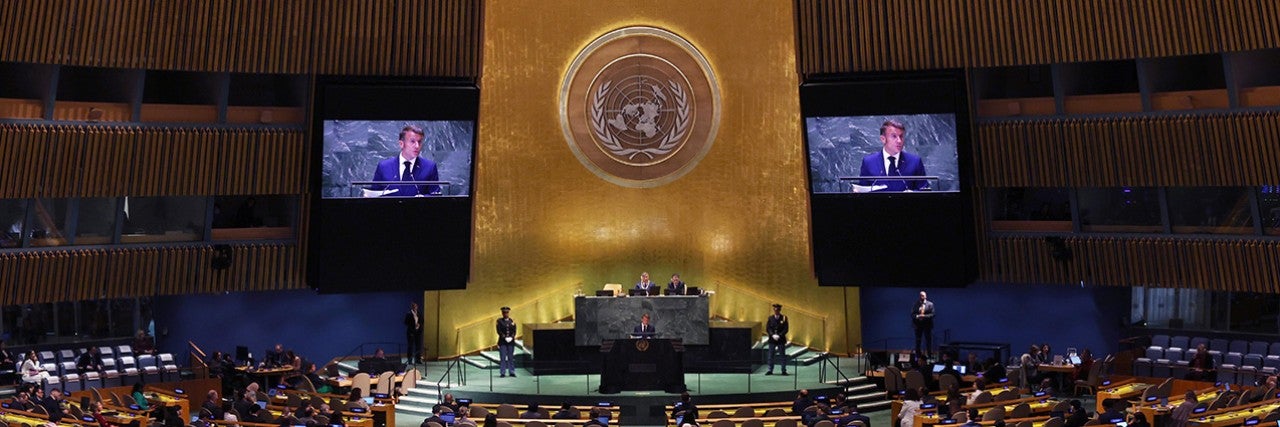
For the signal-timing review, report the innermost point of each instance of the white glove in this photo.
(775, 337)
(509, 339)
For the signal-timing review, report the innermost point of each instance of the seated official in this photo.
(644, 329)
(646, 285)
(676, 286)
(89, 361)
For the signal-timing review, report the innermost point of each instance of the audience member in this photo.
(1180, 414)
(247, 400)
(972, 365)
(1030, 362)
(1115, 411)
(138, 397)
(975, 419)
(54, 404)
(594, 421)
(356, 399)
(687, 409)
(531, 412)
(1046, 356)
(32, 371)
(1082, 370)
(464, 417)
(449, 402)
(435, 418)
(23, 401)
(7, 362)
(143, 343)
(89, 361)
(910, 407)
(96, 412)
(213, 404)
(565, 412)
(1201, 366)
(253, 414)
(229, 412)
(978, 386)
(802, 401)
(1138, 419)
(852, 414)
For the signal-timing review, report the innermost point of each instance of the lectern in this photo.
(642, 364)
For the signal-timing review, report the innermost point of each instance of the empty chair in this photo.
(775, 412)
(1238, 346)
(1274, 349)
(71, 380)
(385, 382)
(67, 355)
(1142, 365)
(479, 412)
(124, 350)
(718, 414)
(730, 423)
(1162, 367)
(1022, 410)
(994, 414)
(1179, 341)
(129, 372)
(1090, 383)
(1159, 341)
(534, 423)
(754, 422)
(361, 381)
(1196, 341)
(1270, 365)
(1053, 422)
(1023, 423)
(1007, 395)
(984, 397)
(1248, 369)
(409, 382)
(1229, 367)
(744, 412)
(1259, 347)
(789, 422)
(961, 418)
(893, 382)
(147, 368)
(110, 373)
(563, 424)
(915, 380)
(1220, 344)
(507, 410)
(823, 423)
(53, 380)
(168, 367)
(945, 381)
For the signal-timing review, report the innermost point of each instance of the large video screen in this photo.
(396, 158)
(883, 153)
(889, 164)
(391, 199)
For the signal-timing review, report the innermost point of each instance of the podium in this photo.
(642, 364)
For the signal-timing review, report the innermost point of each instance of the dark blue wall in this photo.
(1062, 315)
(319, 327)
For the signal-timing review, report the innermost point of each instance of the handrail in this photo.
(197, 358)
(442, 383)
(822, 370)
(800, 318)
(486, 323)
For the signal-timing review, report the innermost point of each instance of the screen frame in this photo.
(339, 229)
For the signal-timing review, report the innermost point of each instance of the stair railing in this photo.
(480, 334)
(449, 373)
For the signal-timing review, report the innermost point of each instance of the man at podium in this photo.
(644, 329)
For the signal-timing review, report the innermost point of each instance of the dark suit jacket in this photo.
(506, 327)
(866, 421)
(423, 170)
(778, 325)
(412, 327)
(676, 288)
(908, 165)
(641, 330)
(923, 321)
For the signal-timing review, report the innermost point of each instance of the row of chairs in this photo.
(1237, 361)
(385, 385)
(119, 367)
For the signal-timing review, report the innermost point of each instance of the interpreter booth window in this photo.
(1119, 210)
(1045, 209)
(73, 321)
(1269, 208)
(96, 220)
(163, 219)
(13, 215)
(48, 226)
(1195, 309)
(1210, 210)
(254, 217)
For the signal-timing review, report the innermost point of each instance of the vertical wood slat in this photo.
(1151, 151)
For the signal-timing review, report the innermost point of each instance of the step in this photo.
(418, 400)
(812, 359)
(851, 381)
(413, 412)
(480, 362)
(862, 389)
(882, 405)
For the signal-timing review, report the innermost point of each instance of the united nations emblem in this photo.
(639, 106)
(642, 345)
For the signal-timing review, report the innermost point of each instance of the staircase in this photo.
(805, 356)
(418, 403)
(861, 390)
(488, 359)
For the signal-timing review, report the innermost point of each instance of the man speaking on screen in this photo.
(891, 161)
(408, 166)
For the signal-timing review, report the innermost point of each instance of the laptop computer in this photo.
(1075, 360)
(448, 418)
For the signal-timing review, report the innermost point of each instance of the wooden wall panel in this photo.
(39, 277)
(837, 36)
(1147, 151)
(97, 161)
(371, 37)
(1212, 264)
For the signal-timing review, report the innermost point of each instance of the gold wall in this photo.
(737, 223)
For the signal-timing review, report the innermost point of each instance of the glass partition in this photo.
(1210, 210)
(97, 220)
(1030, 209)
(13, 214)
(1120, 210)
(163, 219)
(49, 223)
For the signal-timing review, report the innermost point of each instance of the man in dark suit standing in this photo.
(644, 329)
(406, 167)
(506, 344)
(892, 161)
(922, 321)
(413, 333)
(777, 329)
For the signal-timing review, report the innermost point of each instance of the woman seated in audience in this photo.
(463, 419)
(978, 386)
(910, 407)
(32, 371)
(1030, 363)
(1201, 366)
(1046, 356)
(356, 399)
(1179, 415)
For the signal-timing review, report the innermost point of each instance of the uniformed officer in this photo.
(506, 343)
(777, 330)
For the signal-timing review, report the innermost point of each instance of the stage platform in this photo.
(635, 408)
